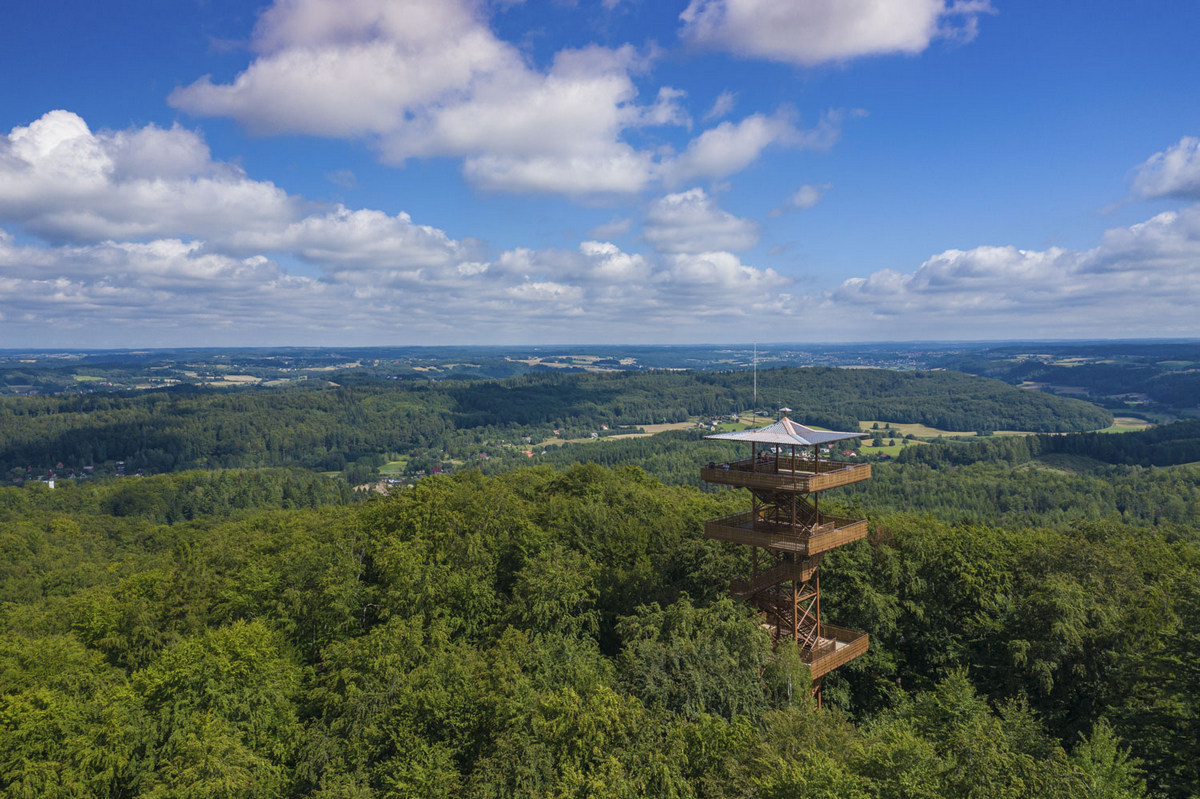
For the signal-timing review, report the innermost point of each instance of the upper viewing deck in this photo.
(785, 473)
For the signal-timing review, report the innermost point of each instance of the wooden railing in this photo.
(831, 532)
(804, 475)
(784, 572)
(838, 646)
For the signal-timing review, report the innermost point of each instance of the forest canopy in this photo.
(566, 629)
(553, 633)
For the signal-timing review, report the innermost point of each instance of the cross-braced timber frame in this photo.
(789, 535)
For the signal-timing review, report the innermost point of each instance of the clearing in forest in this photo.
(1127, 424)
(394, 468)
(904, 429)
(646, 430)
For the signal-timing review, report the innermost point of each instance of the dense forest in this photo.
(1166, 445)
(565, 630)
(567, 633)
(353, 426)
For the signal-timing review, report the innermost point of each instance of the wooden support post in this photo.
(795, 614)
(817, 583)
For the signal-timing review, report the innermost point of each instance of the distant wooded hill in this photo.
(1167, 445)
(336, 427)
(1158, 377)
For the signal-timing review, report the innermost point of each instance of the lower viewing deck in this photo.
(835, 647)
(828, 533)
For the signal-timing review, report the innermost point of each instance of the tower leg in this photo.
(795, 613)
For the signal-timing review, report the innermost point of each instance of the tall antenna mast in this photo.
(756, 377)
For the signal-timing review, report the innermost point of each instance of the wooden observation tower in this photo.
(790, 535)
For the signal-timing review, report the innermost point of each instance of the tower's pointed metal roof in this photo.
(787, 432)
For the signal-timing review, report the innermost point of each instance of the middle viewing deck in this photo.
(784, 473)
(828, 533)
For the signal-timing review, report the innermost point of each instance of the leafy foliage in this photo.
(565, 633)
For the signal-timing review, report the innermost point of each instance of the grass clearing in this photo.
(901, 429)
(394, 468)
(1126, 424)
(866, 449)
(648, 430)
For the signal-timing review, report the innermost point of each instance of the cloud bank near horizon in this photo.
(142, 230)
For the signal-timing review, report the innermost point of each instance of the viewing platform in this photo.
(835, 646)
(832, 647)
(786, 473)
(830, 532)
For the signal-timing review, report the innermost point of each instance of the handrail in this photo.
(843, 634)
(776, 465)
(827, 656)
(757, 474)
(780, 573)
(827, 525)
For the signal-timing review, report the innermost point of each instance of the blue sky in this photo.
(424, 172)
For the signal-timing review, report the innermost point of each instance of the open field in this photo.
(923, 431)
(649, 430)
(655, 429)
(866, 449)
(918, 430)
(396, 467)
(1126, 424)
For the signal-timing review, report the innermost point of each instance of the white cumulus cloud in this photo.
(732, 146)
(1174, 172)
(364, 239)
(722, 105)
(59, 179)
(429, 78)
(808, 195)
(809, 32)
(994, 291)
(353, 67)
(691, 222)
